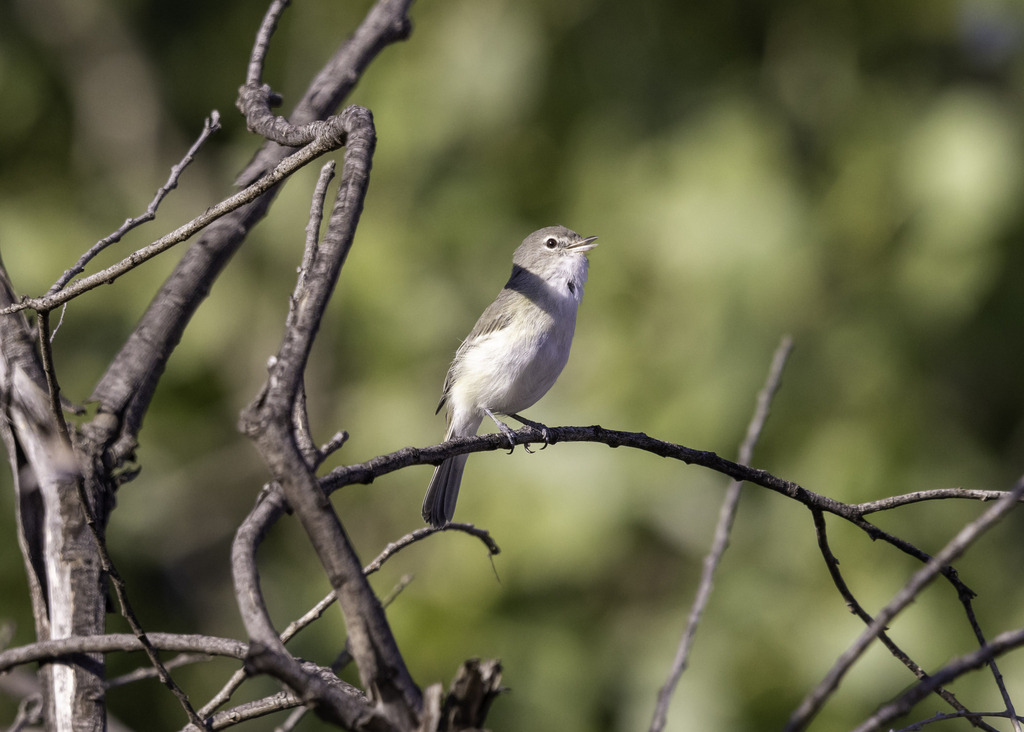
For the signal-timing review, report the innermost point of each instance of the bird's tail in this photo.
(443, 491)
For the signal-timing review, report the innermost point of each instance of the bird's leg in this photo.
(505, 430)
(537, 426)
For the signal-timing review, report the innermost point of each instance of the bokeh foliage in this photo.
(846, 171)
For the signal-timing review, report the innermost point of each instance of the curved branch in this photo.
(260, 47)
(367, 472)
(422, 533)
(382, 465)
(268, 421)
(266, 650)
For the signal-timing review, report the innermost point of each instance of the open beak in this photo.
(584, 245)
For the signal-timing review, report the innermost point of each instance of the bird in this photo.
(515, 352)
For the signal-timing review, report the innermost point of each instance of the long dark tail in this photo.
(443, 491)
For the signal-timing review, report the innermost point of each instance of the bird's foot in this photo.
(544, 432)
(507, 431)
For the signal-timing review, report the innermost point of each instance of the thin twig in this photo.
(316, 217)
(885, 504)
(210, 126)
(121, 593)
(300, 413)
(120, 642)
(389, 551)
(723, 529)
(148, 672)
(286, 167)
(46, 357)
(832, 563)
(288, 700)
(967, 602)
(422, 533)
(956, 668)
(942, 717)
(813, 702)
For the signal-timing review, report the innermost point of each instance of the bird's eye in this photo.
(551, 243)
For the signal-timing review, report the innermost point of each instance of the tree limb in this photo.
(268, 421)
(59, 551)
(958, 667)
(51, 650)
(832, 563)
(125, 391)
(802, 716)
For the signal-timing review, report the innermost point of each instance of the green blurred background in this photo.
(847, 172)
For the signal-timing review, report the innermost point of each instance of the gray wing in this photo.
(497, 316)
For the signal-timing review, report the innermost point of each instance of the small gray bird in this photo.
(514, 353)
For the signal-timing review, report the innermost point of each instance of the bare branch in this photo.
(331, 140)
(287, 700)
(942, 717)
(388, 463)
(125, 391)
(267, 652)
(316, 216)
(389, 551)
(300, 414)
(476, 684)
(967, 601)
(121, 592)
(262, 44)
(422, 533)
(149, 672)
(50, 650)
(936, 565)
(383, 464)
(46, 360)
(723, 529)
(387, 22)
(832, 563)
(885, 504)
(253, 710)
(268, 511)
(268, 421)
(953, 670)
(210, 126)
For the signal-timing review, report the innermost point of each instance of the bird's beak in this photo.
(584, 245)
